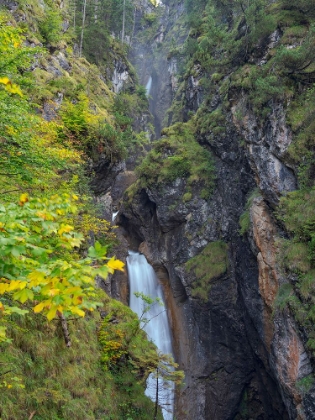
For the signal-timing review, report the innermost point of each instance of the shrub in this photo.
(50, 27)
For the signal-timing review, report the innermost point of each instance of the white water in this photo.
(148, 85)
(142, 278)
(114, 215)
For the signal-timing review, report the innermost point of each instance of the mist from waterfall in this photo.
(142, 278)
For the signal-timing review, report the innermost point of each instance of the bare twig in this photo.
(32, 415)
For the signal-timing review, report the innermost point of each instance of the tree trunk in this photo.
(95, 11)
(74, 12)
(156, 394)
(66, 334)
(123, 23)
(82, 30)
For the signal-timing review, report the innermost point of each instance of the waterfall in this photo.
(148, 85)
(142, 278)
(114, 215)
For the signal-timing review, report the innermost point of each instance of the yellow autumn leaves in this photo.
(40, 265)
(10, 87)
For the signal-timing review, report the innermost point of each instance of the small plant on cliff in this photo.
(305, 384)
(211, 263)
(244, 220)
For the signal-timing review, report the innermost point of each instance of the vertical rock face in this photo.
(242, 359)
(286, 353)
(223, 344)
(120, 75)
(267, 146)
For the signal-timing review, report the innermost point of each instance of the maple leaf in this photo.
(97, 251)
(23, 295)
(52, 312)
(37, 278)
(77, 311)
(38, 308)
(115, 264)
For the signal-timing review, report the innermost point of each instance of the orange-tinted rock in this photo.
(284, 346)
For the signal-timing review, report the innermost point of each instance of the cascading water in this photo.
(142, 278)
(114, 215)
(148, 86)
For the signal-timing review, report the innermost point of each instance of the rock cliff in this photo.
(243, 358)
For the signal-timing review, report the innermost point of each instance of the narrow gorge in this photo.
(192, 131)
(242, 356)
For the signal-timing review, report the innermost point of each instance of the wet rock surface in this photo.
(213, 341)
(242, 359)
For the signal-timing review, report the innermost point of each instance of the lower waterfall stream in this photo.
(143, 279)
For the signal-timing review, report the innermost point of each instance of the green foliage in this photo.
(300, 58)
(211, 263)
(50, 27)
(302, 150)
(266, 88)
(210, 122)
(128, 105)
(263, 86)
(102, 20)
(227, 35)
(284, 296)
(36, 266)
(244, 221)
(229, 30)
(150, 18)
(296, 211)
(123, 341)
(304, 6)
(43, 265)
(178, 155)
(92, 134)
(76, 117)
(305, 384)
(31, 156)
(296, 256)
(60, 382)
(57, 380)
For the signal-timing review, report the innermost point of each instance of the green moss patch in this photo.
(211, 263)
(178, 155)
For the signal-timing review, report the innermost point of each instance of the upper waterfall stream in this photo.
(142, 278)
(148, 86)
